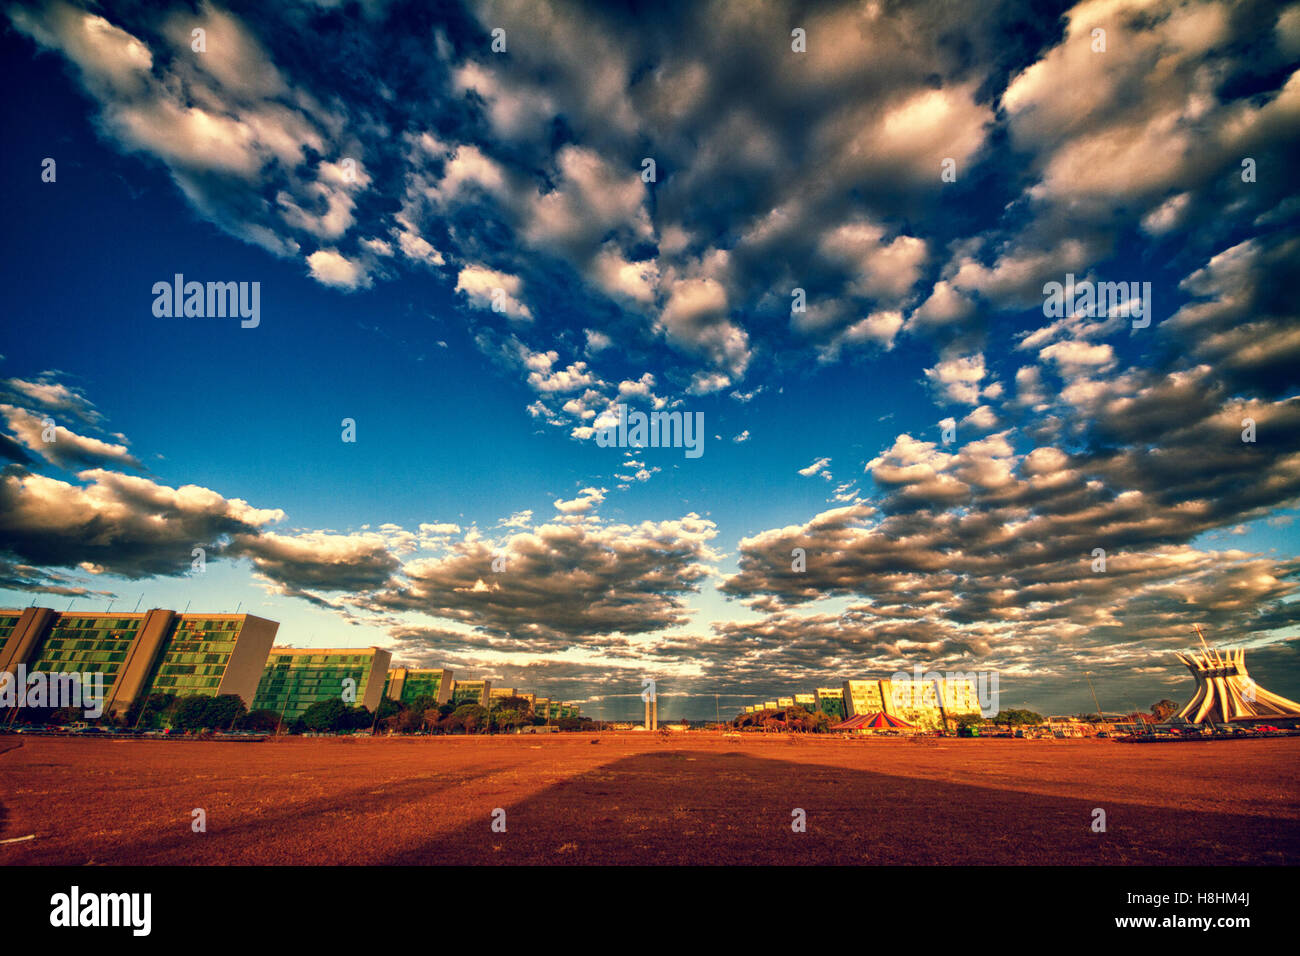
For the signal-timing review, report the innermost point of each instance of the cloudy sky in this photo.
(465, 251)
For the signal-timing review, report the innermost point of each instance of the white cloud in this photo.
(484, 286)
(332, 268)
(588, 500)
(957, 379)
(816, 467)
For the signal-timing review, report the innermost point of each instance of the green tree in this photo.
(1163, 710)
(424, 704)
(390, 718)
(471, 717)
(226, 709)
(358, 718)
(796, 718)
(409, 721)
(262, 721)
(515, 703)
(385, 714)
(150, 711)
(506, 718)
(327, 715)
(449, 724)
(333, 715)
(1017, 718)
(66, 715)
(199, 712)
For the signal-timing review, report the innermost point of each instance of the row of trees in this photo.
(223, 712)
(794, 718)
(799, 719)
(1161, 711)
(426, 715)
(228, 712)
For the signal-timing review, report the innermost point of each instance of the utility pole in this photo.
(285, 706)
(1094, 693)
(1146, 726)
(375, 722)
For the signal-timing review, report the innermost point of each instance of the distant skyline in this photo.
(837, 257)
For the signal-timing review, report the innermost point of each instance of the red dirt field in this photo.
(633, 798)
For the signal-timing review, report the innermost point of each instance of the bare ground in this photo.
(637, 798)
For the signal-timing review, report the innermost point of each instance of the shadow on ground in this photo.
(729, 809)
(661, 807)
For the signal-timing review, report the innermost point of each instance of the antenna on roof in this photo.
(187, 608)
(70, 603)
(238, 606)
(110, 605)
(137, 603)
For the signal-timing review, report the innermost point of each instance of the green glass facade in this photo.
(160, 651)
(471, 692)
(7, 622)
(295, 680)
(194, 659)
(137, 654)
(419, 684)
(831, 703)
(84, 644)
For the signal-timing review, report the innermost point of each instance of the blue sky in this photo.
(380, 170)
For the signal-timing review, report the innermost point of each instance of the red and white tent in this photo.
(877, 721)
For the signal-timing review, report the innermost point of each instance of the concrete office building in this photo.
(958, 698)
(471, 692)
(915, 701)
(406, 684)
(862, 697)
(158, 651)
(295, 678)
(925, 704)
(830, 701)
